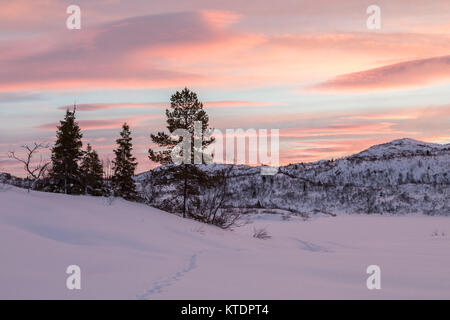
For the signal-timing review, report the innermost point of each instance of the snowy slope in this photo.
(132, 251)
(403, 147)
(400, 177)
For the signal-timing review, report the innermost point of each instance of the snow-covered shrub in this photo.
(261, 233)
(229, 219)
(437, 233)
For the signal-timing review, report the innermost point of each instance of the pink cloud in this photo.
(103, 56)
(104, 123)
(306, 151)
(232, 103)
(164, 105)
(88, 124)
(108, 106)
(343, 129)
(201, 48)
(229, 44)
(406, 74)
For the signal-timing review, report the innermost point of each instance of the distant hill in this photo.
(402, 176)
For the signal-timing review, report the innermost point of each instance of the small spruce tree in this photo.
(91, 170)
(66, 153)
(124, 166)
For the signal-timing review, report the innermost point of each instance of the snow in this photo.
(402, 146)
(400, 177)
(133, 251)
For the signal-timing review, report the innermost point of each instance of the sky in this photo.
(311, 68)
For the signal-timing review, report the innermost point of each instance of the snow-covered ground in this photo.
(132, 251)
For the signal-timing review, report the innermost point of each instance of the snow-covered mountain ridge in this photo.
(402, 176)
(403, 147)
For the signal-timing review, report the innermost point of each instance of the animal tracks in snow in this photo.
(159, 285)
(309, 246)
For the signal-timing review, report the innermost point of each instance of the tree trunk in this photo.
(65, 178)
(185, 196)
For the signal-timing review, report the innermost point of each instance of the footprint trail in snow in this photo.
(159, 285)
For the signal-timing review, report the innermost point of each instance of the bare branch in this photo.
(35, 171)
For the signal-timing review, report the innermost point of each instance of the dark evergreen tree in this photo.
(66, 153)
(185, 110)
(124, 166)
(91, 171)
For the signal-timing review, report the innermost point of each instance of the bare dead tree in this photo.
(212, 199)
(107, 168)
(107, 172)
(209, 208)
(35, 171)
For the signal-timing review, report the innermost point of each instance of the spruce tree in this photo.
(91, 170)
(66, 153)
(124, 166)
(185, 110)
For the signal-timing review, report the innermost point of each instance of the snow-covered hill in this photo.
(402, 176)
(132, 251)
(403, 148)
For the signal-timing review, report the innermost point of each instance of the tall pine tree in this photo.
(185, 110)
(124, 166)
(91, 171)
(66, 153)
